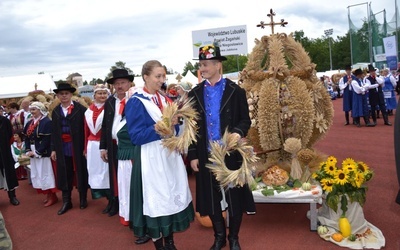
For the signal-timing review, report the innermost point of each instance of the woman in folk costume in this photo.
(99, 179)
(359, 101)
(388, 91)
(125, 160)
(18, 149)
(38, 147)
(8, 177)
(161, 202)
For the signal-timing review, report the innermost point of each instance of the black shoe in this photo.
(114, 207)
(106, 210)
(14, 201)
(219, 235)
(169, 242)
(234, 244)
(65, 207)
(159, 244)
(83, 204)
(388, 124)
(347, 123)
(370, 124)
(142, 240)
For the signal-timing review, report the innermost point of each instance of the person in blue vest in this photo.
(345, 86)
(376, 97)
(359, 100)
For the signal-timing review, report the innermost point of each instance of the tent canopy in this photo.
(20, 86)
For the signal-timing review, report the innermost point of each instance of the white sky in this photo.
(88, 36)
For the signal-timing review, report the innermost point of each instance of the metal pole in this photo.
(330, 51)
(351, 44)
(369, 33)
(397, 29)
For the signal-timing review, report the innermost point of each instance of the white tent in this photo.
(189, 77)
(20, 86)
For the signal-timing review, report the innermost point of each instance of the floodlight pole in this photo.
(328, 33)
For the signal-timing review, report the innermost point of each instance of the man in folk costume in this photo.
(222, 105)
(8, 177)
(360, 101)
(99, 178)
(68, 147)
(345, 86)
(376, 97)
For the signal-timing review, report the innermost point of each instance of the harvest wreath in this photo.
(223, 147)
(165, 126)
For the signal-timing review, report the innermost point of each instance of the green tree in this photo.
(119, 65)
(190, 67)
(85, 83)
(234, 63)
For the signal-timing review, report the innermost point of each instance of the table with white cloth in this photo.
(296, 195)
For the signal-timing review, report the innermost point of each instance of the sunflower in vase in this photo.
(343, 184)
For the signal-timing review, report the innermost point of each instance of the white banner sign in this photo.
(390, 51)
(232, 40)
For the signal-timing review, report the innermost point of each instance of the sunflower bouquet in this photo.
(342, 183)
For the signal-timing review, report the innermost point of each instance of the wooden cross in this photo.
(271, 15)
(179, 78)
(36, 86)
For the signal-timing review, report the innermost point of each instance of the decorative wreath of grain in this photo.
(290, 66)
(181, 142)
(224, 175)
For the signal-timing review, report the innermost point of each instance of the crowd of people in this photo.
(114, 150)
(368, 95)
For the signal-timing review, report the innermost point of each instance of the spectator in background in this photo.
(18, 149)
(388, 90)
(345, 86)
(375, 95)
(359, 101)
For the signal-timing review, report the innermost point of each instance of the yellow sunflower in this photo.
(349, 167)
(314, 175)
(348, 162)
(341, 177)
(331, 160)
(327, 184)
(359, 179)
(362, 167)
(330, 169)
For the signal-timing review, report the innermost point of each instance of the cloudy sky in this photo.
(88, 36)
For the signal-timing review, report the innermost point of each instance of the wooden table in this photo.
(311, 197)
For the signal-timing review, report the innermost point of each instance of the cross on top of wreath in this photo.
(271, 15)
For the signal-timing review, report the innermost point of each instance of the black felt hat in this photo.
(347, 67)
(358, 72)
(371, 68)
(120, 73)
(64, 86)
